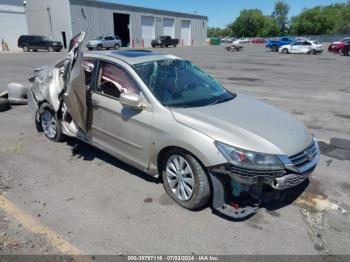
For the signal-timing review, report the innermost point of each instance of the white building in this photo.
(12, 22)
(62, 19)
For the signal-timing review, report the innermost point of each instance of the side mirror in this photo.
(131, 100)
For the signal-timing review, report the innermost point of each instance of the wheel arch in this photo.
(207, 158)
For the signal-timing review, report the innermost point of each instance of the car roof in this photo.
(131, 57)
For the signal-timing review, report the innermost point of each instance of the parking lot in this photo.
(96, 204)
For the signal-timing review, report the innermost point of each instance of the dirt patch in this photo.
(273, 213)
(252, 69)
(297, 113)
(15, 148)
(325, 58)
(148, 200)
(248, 79)
(345, 90)
(316, 203)
(342, 116)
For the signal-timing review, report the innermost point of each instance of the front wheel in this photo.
(50, 49)
(99, 47)
(50, 124)
(285, 51)
(185, 180)
(313, 51)
(275, 48)
(116, 47)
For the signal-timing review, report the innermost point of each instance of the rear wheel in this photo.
(90, 48)
(274, 48)
(285, 51)
(175, 45)
(313, 51)
(185, 180)
(4, 104)
(50, 49)
(116, 47)
(99, 47)
(50, 124)
(26, 48)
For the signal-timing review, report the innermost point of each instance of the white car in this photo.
(302, 47)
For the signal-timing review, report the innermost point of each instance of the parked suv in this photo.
(107, 42)
(37, 42)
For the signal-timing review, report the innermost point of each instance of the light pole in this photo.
(49, 13)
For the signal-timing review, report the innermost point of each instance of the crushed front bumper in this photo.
(238, 193)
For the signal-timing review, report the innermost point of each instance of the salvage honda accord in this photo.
(167, 117)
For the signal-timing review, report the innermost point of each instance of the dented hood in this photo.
(247, 123)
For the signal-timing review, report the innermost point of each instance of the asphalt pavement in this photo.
(99, 205)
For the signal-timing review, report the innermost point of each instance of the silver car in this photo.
(167, 117)
(107, 42)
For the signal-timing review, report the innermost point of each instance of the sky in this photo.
(221, 13)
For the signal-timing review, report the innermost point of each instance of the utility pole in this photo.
(50, 20)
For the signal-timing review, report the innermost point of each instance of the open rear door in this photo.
(75, 92)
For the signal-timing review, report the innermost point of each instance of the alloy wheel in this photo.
(49, 125)
(180, 177)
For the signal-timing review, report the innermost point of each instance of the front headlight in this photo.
(249, 159)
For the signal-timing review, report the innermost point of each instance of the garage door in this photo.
(147, 27)
(186, 32)
(168, 27)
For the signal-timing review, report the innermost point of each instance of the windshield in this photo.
(179, 83)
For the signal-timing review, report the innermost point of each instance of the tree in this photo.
(250, 23)
(330, 19)
(270, 27)
(281, 16)
(342, 24)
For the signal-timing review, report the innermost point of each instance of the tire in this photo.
(35, 50)
(197, 176)
(346, 52)
(4, 104)
(50, 49)
(26, 48)
(175, 46)
(99, 47)
(90, 48)
(274, 48)
(47, 114)
(313, 51)
(116, 47)
(285, 51)
(153, 46)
